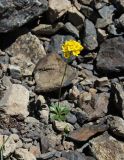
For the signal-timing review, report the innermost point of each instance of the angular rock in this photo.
(73, 155)
(15, 100)
(89, 13)
(71, 29)
(90, 36)
(26, 51)
(49, 72)
(17, 13)
(46, 29)
(116, 125)
(106, 12)
(95, 106)
(75, 17)
(87, 131)
(56, 43)
(24, 154)
(106, 147)
(58, 8)
(110, 58)
(62, 126)
(118, 97)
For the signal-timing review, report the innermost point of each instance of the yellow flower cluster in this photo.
(71, 48)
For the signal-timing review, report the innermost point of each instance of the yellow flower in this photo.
(71, 48)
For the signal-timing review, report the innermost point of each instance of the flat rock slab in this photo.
(15, 100)
(49, 72)
(86, 132)
(17, 13)
(110, 58)
(106, 147)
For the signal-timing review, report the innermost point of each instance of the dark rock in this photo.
(106, 147)
(118, 3)
(86, 132)
(57, 41)
(120, 22)
(110, 58)
(89, 12)
(85, 2)
(81, 117)
(17, 13)
(90, 36)
(49, 72)
(118, 97)
(73, 155)
(75, 17)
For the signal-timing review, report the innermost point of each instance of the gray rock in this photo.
(44, 143)
(71, 118)
(89, 13)
(49, 72)
(71, 29)
(113, 30)
(116, 125)
(17, 13)
(46, 29)
(90, 36)
(25, 52)
(58, 8)
(13, 104)
(105, 147)
(106, 12)
(56, 43)
(73, 155)
(47, 155)
(24, 154)
(75, 17)
(110, 58)
(94, 105)
(4, 59)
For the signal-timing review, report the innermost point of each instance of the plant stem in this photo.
(62, 83)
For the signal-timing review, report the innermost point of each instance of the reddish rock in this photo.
(86, 132)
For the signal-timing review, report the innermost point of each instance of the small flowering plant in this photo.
(70, 48)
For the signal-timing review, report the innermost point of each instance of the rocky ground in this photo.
(31, 70)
